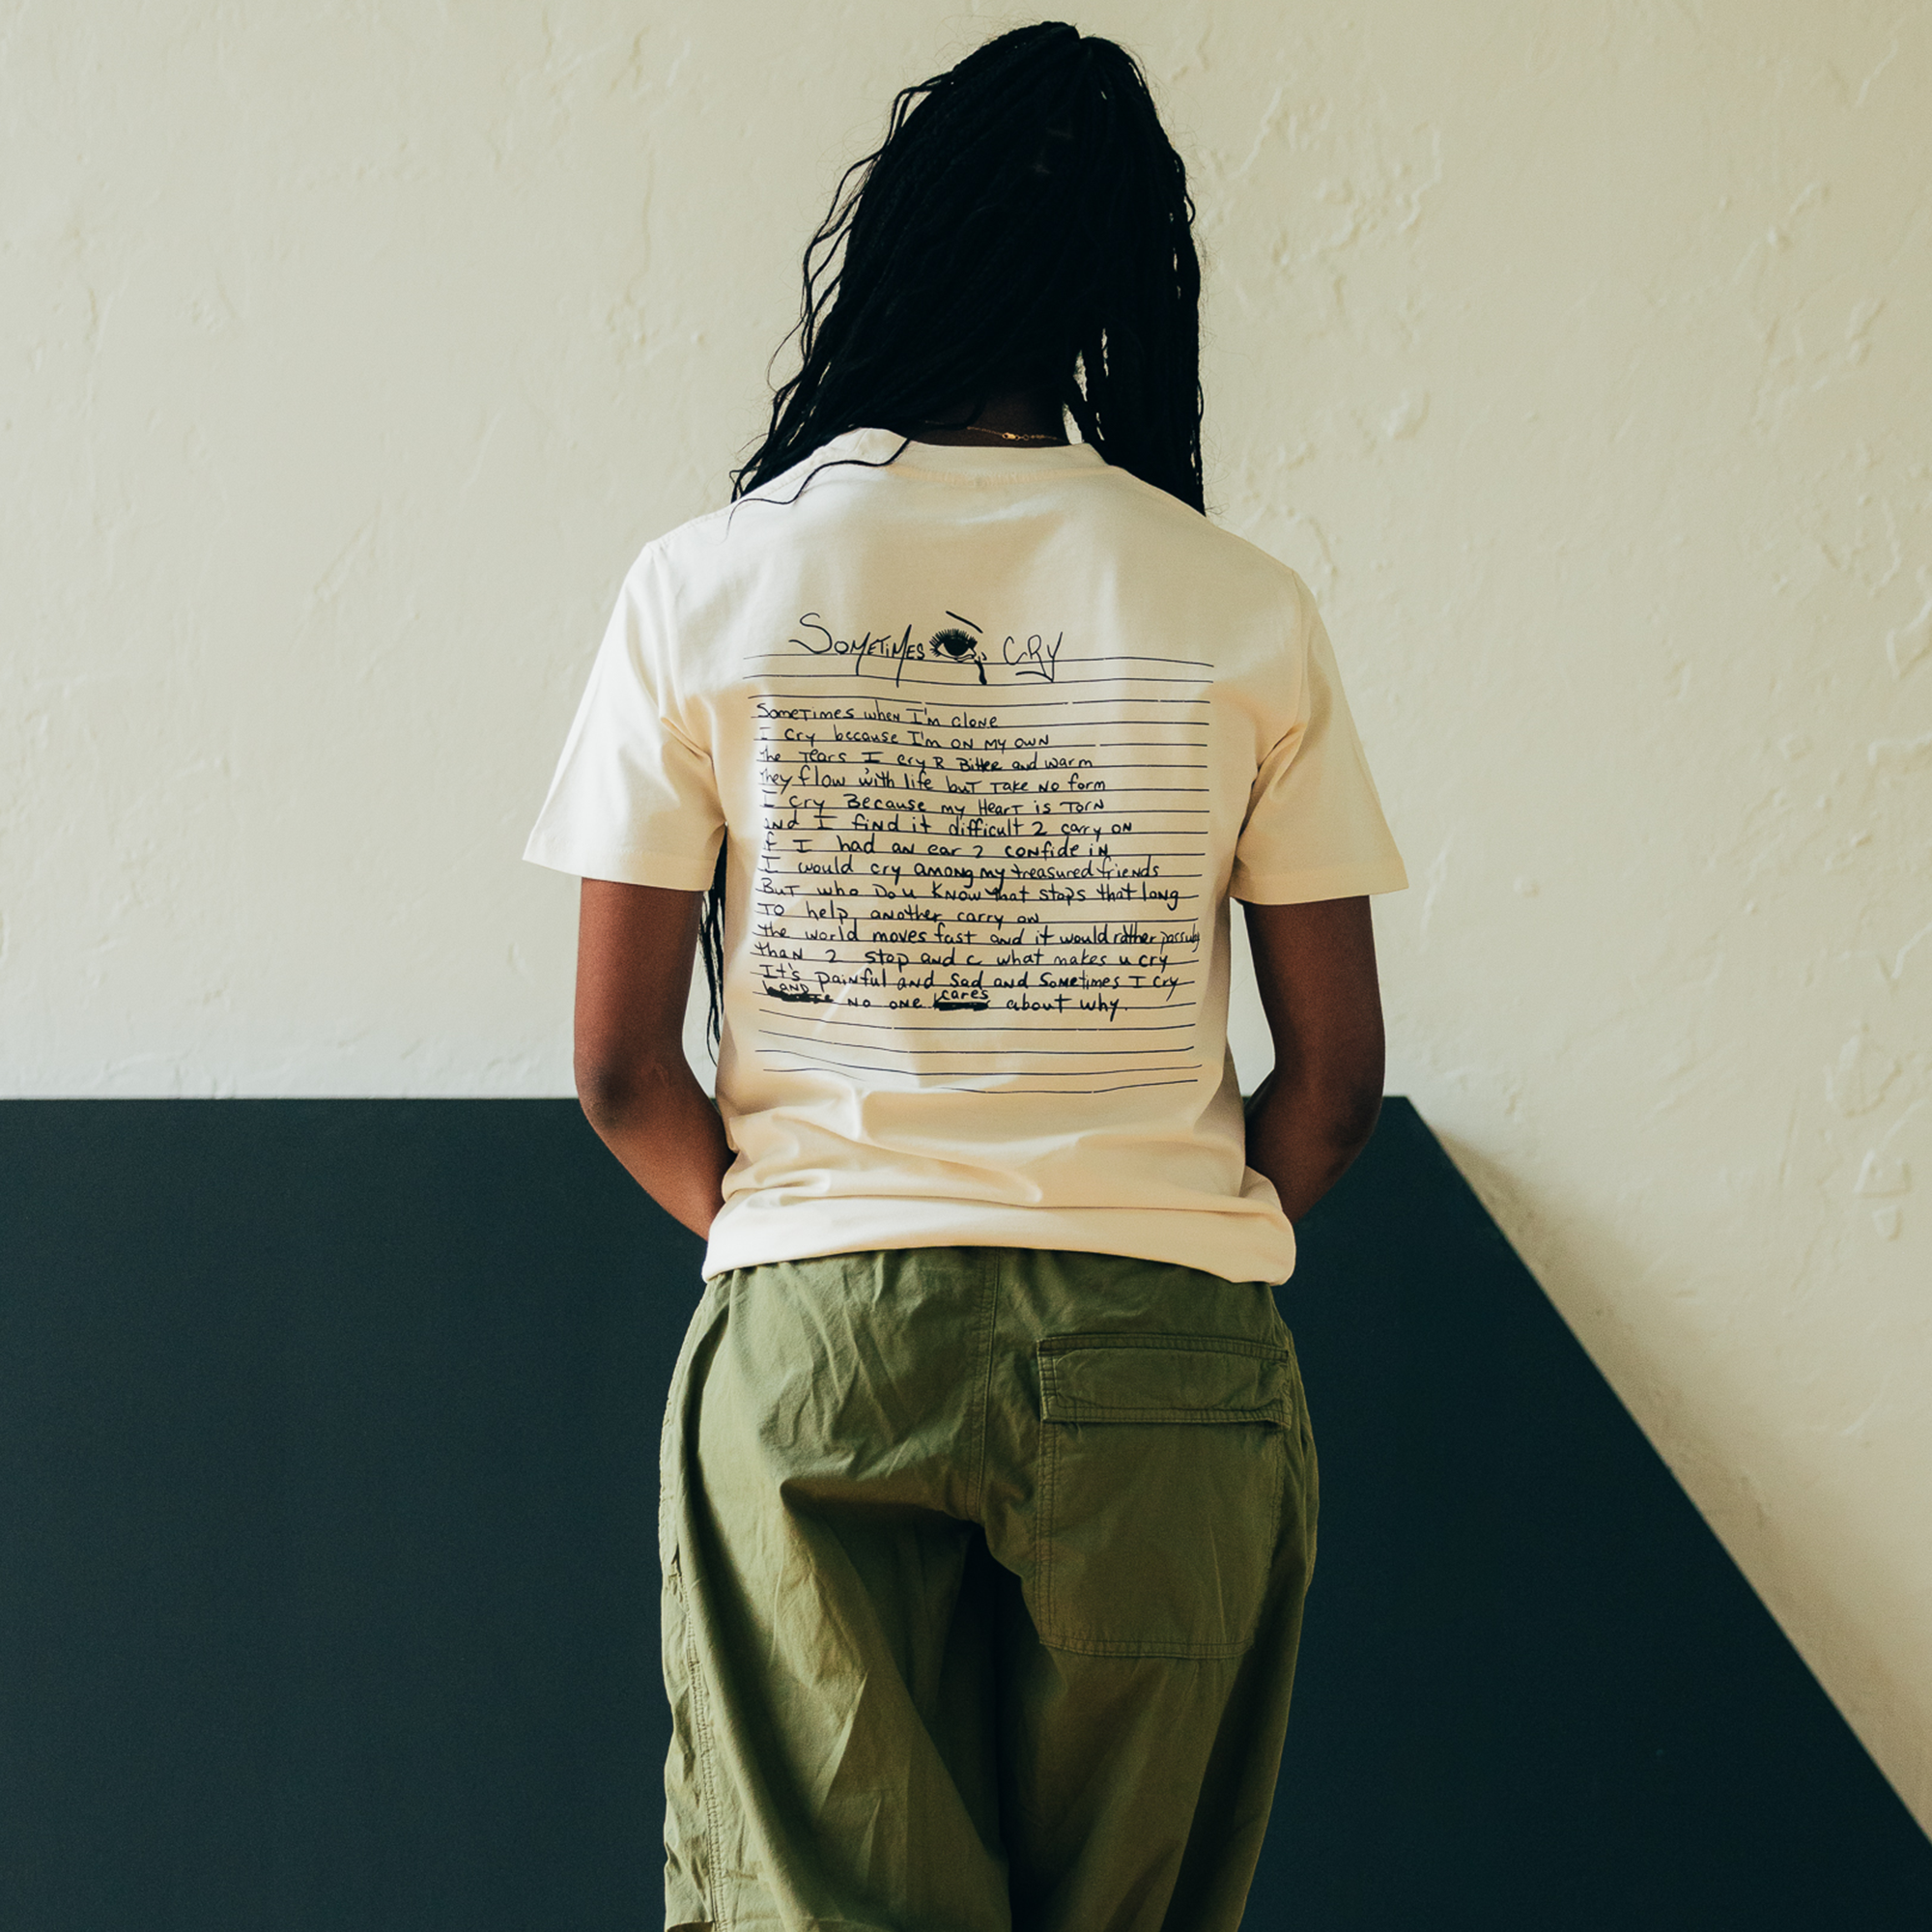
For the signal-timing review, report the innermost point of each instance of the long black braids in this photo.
(1025, 222)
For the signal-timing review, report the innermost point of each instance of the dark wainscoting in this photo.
(328, 1588)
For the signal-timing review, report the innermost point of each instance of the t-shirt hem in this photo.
(1242, 1244)
(1330, 882)
(670, 870)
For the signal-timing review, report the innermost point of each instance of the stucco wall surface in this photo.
(1575, 355)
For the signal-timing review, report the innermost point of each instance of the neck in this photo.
(1028, 411)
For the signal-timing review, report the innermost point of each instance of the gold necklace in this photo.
(1004, 435)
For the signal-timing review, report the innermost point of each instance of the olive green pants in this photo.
(983, 1572)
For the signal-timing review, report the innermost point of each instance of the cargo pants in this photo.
(982, 1583)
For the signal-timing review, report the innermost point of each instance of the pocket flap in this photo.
(1115, 1378)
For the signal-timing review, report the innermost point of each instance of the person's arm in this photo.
(1313, 1114)
(635, 948)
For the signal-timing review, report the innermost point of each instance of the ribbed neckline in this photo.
(964, 459)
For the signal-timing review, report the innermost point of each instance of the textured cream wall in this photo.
(1576, 355)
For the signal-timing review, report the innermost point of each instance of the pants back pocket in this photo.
(1162, 1464)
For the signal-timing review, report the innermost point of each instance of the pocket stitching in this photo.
(1043, 1565)
(1064, 1340)
(1282, 1412)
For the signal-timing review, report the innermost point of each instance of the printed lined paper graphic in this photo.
(978, 863)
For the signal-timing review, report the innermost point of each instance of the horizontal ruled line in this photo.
(1069, 744)
(1119, 656)
(999, 1052)
(988, 945)
(968, 693)
(1106, 986)
(907, 1073)
(1154, 899)
(845, 1066)
(1151, 810)
(1010, 861)
(954, 1073)
(990, 799)
(985, 833)
(1159, 898)
(982, 704)
(990, 1026)
(1029, 927)
(875, 764)
(1046, 1023)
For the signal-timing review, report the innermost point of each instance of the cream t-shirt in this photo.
(995, 732)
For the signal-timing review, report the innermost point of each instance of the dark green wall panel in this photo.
(327, 1575)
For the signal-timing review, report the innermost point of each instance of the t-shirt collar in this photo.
(963, 459)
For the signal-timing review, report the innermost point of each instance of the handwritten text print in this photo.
(978, 881)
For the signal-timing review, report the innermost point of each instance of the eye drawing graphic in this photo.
(958, 647)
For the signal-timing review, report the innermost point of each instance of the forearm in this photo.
(664, 1128)
(1315, 968)
(1303, 1137)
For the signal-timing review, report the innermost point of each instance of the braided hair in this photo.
(1025, 223)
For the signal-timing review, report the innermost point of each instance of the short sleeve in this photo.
(1315, 828)
(635, 797)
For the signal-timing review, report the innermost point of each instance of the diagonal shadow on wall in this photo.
(1536, 1691)
(327, 1564)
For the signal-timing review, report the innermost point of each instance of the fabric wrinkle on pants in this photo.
(983, 1574)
